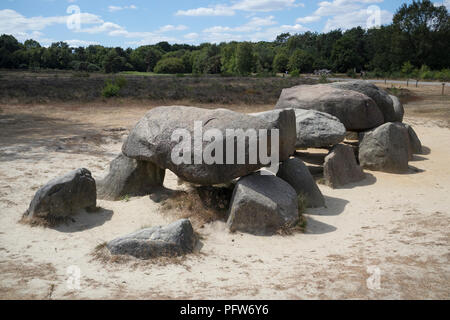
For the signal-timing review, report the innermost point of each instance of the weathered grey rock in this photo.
(151, 140)
(386, 148)
(296, 173)
(130, 177)
(283, 120)
(64, 196)
(262, 204)
(355, 110)
(380, 96)
(340, 167)
(398, 108)
(415, 144)
(175, 239)
(317, 129)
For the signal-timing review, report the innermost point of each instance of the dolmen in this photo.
(385, 143)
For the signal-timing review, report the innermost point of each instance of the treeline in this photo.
(417, 42)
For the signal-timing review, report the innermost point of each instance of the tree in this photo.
(301, 61)
(8, 45)
(349, 52)
(170, 65)
(244, 58)
(228, 58)
(282, 39)
(280, 63)
(424, 33)
(113, 63)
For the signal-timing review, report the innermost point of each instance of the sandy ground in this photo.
(396, 226)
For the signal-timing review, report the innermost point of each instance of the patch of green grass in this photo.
(126, 198)
(144, 74)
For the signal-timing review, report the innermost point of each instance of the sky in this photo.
(142, 22)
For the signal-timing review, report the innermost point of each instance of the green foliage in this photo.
(301, 60)
(295, 73)
(244, 58)
(407, 68)
(417, 36)
(351, 73)
(112, 87)
(110, 90)
(170, 65)
(280, 62)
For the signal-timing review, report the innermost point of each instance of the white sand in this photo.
(397, 223)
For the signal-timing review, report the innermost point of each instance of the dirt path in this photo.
(392, 225)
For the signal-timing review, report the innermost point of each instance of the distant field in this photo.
(29, 87)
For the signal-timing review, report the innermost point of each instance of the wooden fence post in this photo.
(443, 88)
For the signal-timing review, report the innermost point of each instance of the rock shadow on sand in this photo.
(334, 207)
(316, 227)
(85, 221)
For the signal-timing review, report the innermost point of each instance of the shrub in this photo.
(407, 68)
(121, 82)
(93, 68)
(351, 73)
(170, 65)
(110, 90)
(444, 75)
(295, 73)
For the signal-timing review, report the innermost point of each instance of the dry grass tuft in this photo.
(47, 222)
(300, 226)
(200, 204)
(103, 255)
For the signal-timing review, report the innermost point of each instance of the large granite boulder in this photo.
(151, 140)
(64, 196)
(386, 148)
(130, 177)
(380, 96)
(283, 120)
(317, 129)
(297, 174)
(398, 108)
(262, 204)
(340, 167)
(355, 110)
(414, 141)
(175, 239)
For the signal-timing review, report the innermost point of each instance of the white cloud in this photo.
(211, 11)
(80, 43)
(445, 3)
(255, 24)
(264, 5)
(118, 8)
(23, 28)
(170, 27)
(191, 36)
(346, 14)
(308, 19)
(242, 5)
(354, 19)
(102, 28)
(12, 22)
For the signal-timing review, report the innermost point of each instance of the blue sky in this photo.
(139, 22)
